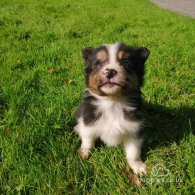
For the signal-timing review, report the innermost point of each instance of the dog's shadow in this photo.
(164, 126)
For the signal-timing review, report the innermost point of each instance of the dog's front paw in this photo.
(138, 167)
(84, 153)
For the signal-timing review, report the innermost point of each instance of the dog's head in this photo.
(114, 68)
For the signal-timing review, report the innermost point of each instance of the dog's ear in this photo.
(140, 53)
(140, 56)
(143, 53)
(87, 52)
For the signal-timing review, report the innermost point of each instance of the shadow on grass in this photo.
(166, 125)
(163, 126)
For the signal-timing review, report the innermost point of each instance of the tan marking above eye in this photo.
(123, 55)
(120, 55)
(102, 55)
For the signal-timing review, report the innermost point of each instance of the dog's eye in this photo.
(98, 64)
(125, 63)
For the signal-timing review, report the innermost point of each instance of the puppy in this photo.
(112, 101)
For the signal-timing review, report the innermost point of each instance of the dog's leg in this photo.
(133, 151)
(86, 146)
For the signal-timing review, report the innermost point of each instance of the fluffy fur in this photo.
(111, 106)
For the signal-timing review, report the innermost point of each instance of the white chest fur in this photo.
(111, 127)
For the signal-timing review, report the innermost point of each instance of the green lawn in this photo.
(41, 85)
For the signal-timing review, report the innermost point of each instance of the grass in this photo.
(38, 149)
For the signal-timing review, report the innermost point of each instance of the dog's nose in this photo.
(110, 73)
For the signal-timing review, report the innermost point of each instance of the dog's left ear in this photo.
(143, 53)
(87, 52)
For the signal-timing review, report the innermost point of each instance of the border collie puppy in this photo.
(111, 105)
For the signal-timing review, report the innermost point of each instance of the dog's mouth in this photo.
(109, 84)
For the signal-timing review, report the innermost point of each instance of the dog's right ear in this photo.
(87, 52)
